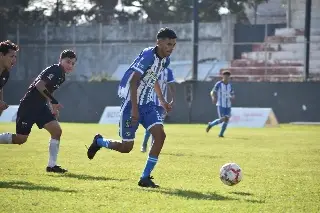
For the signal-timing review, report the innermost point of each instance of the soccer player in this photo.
(222, 94)
(135, 90)
(38, 106)
(166, 80)
(8, 57)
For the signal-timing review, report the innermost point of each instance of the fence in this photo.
(267, 52)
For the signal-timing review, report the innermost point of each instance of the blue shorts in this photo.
(161, 111)
(224, 111)
(148, 117)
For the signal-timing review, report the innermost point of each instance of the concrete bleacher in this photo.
(279, 58)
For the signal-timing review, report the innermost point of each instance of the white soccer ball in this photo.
(230, 174)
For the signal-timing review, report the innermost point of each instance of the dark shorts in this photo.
(28, 115)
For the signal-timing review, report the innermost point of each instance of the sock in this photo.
(223, 128)
(6, 138)
(146, 138)
(53, 152)
(103, 142)
(151, 162)
(215, 122)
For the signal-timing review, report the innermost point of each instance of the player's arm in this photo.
(214, 96)
(172, 90)
(158, 91)
(3, 105)
(41, 87)
(47, 78)
(140, 67)
(164, 103)
(171, 85)
(133, 89)
(232, 95)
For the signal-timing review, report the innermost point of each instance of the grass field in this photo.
(281, 172)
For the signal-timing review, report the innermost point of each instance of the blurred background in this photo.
(259, 41)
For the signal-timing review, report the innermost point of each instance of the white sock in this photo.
(53, 152)
(6, 138)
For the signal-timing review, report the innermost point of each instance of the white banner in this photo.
(10, 114)
(252, 117)
(110, 115)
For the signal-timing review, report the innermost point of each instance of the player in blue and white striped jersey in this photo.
(136, 92)
(166, 81)
(222, 95)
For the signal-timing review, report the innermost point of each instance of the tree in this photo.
(10, 11)
(254, 4)
(181, 10)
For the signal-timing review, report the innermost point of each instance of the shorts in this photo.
(161, 111)
(28, 115)
(224, 111)
(148, 117)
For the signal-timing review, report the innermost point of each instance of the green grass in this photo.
(281, 169)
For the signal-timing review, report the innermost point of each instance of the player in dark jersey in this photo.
(8, 57)
(38, 106)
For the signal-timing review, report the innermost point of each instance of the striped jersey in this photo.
(150, 65)
(224, 93)
(165, 78)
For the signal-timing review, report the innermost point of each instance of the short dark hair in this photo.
(68, 54)
(226, 72)
(7, 45)
(166, 33)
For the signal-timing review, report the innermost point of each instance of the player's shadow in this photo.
(189, 194)
(87, 177)
(240, 138)
(189, 155)
(242, 193)
(24, 185)
(247, 194)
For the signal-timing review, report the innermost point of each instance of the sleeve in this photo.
(143, 62)
(216, 87)
(50, 76)
(170, 78)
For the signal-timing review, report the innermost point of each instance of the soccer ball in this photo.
(230, 174)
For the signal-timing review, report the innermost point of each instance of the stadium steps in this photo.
(280, 58)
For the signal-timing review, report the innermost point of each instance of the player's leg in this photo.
(145, 141)
(46, 120)
(216, 121)
(152, 122)
(24, 123)
(127, 132)
(227, 114)
(163, 114)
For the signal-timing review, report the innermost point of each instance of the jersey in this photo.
(54, 76)
(4, 78)
(224, 93)
(164, 79)
(150, 65)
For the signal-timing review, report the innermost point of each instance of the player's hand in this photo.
(167, 106)
(56, 107)
(134, 115)
(3, 105)
(214, 101)
(56, 114)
